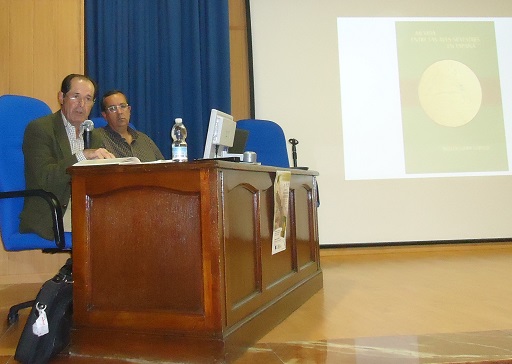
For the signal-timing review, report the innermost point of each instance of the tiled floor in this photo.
(398, 305)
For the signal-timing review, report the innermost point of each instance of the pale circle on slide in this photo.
(450, 93)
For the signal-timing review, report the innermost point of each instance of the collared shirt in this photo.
(141, 147)
(76, 144)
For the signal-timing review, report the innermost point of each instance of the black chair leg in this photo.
(13, 316)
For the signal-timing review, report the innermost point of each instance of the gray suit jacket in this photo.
(47, 155)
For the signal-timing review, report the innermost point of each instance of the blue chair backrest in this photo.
(99, 122)
(15, 113)
(267, 139)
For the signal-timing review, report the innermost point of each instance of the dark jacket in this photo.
(47, 155)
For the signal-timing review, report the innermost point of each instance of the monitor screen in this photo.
(221, 134)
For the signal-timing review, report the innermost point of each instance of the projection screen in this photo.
(414, 105)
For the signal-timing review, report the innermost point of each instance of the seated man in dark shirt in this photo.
(118, 137)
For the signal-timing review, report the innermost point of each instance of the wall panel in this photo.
(41, 41)
(240, 83)
(4, 43)
(21, 47)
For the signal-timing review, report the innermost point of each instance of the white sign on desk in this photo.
(281, 194)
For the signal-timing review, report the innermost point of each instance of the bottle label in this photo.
(179, 153)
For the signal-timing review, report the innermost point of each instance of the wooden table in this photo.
(182, 251)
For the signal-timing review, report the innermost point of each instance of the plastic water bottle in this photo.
(179, 145)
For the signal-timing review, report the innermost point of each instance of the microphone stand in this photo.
(294, 142)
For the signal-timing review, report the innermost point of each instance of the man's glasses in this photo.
(77, 98)
(115, 108)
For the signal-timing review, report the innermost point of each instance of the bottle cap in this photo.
(178, 121)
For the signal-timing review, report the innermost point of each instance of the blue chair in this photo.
(15, 113)
(99, 122)
(267, 139)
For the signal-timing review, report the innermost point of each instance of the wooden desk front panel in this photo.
(303, 207)
(144, 265)
(255, 277)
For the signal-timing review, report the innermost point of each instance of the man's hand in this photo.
(100, 153)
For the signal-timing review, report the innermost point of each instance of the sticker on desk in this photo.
(281, 194)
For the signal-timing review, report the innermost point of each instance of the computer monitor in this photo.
(221, 134)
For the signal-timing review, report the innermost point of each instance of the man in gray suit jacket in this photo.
(53, 143)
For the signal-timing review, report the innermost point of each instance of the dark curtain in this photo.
(170, 58)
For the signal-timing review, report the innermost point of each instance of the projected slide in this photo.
(425, 97)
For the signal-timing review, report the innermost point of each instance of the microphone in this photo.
(294, 142)
(88, 126)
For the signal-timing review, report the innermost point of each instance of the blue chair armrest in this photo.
(55, 209)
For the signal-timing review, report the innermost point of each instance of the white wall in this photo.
(296, 80)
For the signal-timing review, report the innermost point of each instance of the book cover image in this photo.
(452, 115)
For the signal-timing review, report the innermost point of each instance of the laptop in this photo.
(239, 142)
